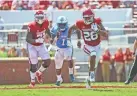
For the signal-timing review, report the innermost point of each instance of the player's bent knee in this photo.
(46, 63)
(33, 68)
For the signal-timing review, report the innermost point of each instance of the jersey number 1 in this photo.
(63, 42)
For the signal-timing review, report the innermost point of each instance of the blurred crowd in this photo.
(122, 62)
(13, 52)
(63, 4)
(17, 52)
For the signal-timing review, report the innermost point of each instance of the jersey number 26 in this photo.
(89, 36)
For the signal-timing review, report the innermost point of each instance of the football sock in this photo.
(41, 69)
(59, 77)
(32, 76)
(70, 70)
(92, 74)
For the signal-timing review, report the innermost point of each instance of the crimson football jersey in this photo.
(38, 31)
(90, 37)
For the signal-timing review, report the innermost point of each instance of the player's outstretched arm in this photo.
(78, 32)
(53, 40)
(49, 36)
(102, 30)
(72, 28)
(48, 32)
(53, 36)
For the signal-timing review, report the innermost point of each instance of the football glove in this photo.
(79, 44)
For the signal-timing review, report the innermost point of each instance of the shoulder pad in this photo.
(98, 20)
(79, 21)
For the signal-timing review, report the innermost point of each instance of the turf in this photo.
(99, 89)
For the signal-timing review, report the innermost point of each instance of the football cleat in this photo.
(88, 84)
(59, 82)
(39, 77)
(72, 78)
(127, 82)
(31, 85)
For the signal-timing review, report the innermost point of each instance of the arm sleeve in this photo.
(102, 27)
(99, 22)
(29, 38)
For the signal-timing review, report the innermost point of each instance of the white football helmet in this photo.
(62, 23)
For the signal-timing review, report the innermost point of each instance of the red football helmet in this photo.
(39, 16)
(88, 16)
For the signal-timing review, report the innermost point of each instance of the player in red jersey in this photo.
(37, 31)
(91, 29)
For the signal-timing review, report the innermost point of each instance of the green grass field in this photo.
(77, 89)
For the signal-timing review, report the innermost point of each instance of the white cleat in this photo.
(88, 84)
(39, 77)
(58, 82)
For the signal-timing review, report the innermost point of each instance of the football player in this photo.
(37, 31)
(133, 70)
(91, 29)
(61, 36)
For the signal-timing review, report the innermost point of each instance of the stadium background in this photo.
(120, 21)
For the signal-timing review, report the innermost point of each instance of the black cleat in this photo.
(127, 82)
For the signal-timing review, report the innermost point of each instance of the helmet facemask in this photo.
(62, 23)
(62, 26)
(39, 18)
(88, 19)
